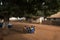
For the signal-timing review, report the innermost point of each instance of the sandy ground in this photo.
(42, 32)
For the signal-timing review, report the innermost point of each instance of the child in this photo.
(32, 29)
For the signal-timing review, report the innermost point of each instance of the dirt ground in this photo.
(42, 32)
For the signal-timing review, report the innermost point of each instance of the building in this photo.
(36, 19)
(54, 19)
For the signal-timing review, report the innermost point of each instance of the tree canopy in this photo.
(29, 8)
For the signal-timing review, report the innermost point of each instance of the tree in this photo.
(28, 8)
(51, 6)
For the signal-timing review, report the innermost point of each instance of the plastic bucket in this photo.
(9, 26)
(1, 24)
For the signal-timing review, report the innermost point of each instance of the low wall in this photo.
(57, 23)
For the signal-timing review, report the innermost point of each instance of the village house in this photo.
(37, 19)
(54, 19)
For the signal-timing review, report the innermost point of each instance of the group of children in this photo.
(29, 29)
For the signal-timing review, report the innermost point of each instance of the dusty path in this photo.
(42, 32)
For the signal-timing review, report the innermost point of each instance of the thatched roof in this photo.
(57, 15)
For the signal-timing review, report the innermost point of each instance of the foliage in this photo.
(29, 7)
